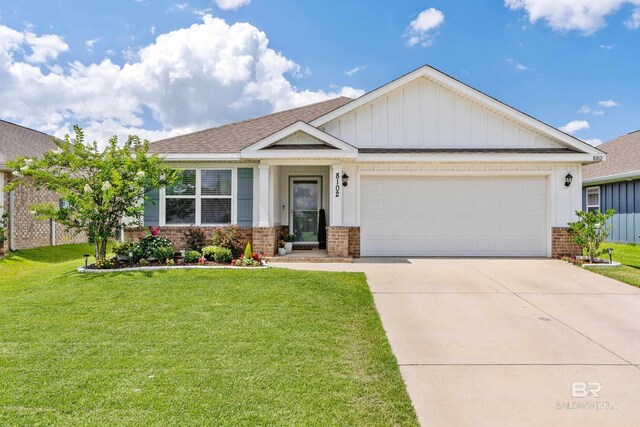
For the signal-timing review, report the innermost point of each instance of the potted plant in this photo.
(288, 242)
(282, 251)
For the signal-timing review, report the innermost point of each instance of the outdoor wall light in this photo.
(345, 179)
(567, 180)
(86, 260)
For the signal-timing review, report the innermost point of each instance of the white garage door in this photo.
(426, 216)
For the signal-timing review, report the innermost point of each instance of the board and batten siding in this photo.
(423, 114)
(624, 198)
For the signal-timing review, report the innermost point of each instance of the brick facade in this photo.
(265, 240)
(29, 232)
(176, 234)
(561, 243)
(354, 242)
(343, 242)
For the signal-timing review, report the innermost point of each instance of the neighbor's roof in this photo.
(234, 137)
(623, 156)
(18, 141)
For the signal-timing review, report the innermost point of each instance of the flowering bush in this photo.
(104, 264)
(572, 260)
(153, 247)
(227, 237)
(253, 260)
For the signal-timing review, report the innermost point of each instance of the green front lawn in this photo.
(199, 347)
(629, 257)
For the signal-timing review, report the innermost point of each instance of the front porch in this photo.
(304, 199)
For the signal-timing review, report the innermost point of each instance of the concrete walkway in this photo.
(500, 342)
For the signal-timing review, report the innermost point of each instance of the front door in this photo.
(305, 202)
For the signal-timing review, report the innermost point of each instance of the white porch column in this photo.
(263, 196)
(335, 196)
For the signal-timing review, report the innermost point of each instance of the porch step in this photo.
(302, 259)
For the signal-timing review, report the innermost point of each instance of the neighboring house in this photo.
(424, 165)
(23, 230)
(615, 184)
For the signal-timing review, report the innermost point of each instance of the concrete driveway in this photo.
(504, 341)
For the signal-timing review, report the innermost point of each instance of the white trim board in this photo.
(298, 127)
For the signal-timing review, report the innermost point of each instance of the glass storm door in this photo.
(305, 207)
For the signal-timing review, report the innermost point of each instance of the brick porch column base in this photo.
(561, 243)
(265, 240)
(338, 242)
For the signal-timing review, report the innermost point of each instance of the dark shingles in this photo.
(623, 156)
(234, 137)
(18, 141)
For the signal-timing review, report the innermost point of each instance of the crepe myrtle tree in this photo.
(591, 229)
(99, 188)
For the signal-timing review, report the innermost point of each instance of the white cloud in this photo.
(91, 43)
(181, 6)
(43, 48)
(594, 141)
(586, 16)
(205, 75)
(634, 21)
(421, 30)
(585, 109)
(607, 46)
(518, 66)
(153, 29)
(609, 103)
(231, 4)
(575, 126)
(354, 70)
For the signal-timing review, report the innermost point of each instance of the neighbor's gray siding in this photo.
(245, 197)
(152, 209)
(624, 198)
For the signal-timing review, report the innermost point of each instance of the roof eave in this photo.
(626, 176)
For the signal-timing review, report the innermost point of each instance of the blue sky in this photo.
(158, 68)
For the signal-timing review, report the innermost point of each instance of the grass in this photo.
(223, 347)
(629, 257)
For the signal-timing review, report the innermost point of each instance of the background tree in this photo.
(590, 231)
(98, 188)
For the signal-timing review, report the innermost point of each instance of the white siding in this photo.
(422, 114)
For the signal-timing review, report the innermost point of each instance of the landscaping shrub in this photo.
(191, 257)
(208, 252)
(590, 231)
(148, 246)
(223, 255)
(163, 253)
(195, 239)
(228, 237)
(104, 264)
(123, 249)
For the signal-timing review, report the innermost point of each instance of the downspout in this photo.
(53, 232)
(12, 220)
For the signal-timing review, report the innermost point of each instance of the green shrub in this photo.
(143, 262)
(208, 252)
(228, 237)
(590, 231)
(247, 250)
(171, 262)
(147, 247)
(223, 256)
(123, 249)
(163, 253)
(195, 239)
(191, 257)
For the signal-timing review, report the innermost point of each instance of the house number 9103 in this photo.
(337, 184)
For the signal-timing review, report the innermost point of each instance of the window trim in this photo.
(590, 191)
(198, 197)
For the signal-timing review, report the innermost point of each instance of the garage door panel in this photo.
(504, 216)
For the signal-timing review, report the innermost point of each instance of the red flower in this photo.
(154, 231)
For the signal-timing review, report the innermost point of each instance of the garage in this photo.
(454, 216)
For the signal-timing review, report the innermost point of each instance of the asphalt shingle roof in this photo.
(623, 156)
(18, 141)
(234, 137)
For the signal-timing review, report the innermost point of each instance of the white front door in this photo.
(305, 201)
(454, 216)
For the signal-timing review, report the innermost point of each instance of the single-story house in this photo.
(615, 184)
(23, 230)
(422, 166)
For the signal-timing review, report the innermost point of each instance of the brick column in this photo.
(337, 242)
(265, 240)
(354, 242)
(561, 243)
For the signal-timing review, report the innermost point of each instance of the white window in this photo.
(200, 197)
(593, 199)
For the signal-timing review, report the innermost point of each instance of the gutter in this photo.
(12, 221)
(626, 176)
